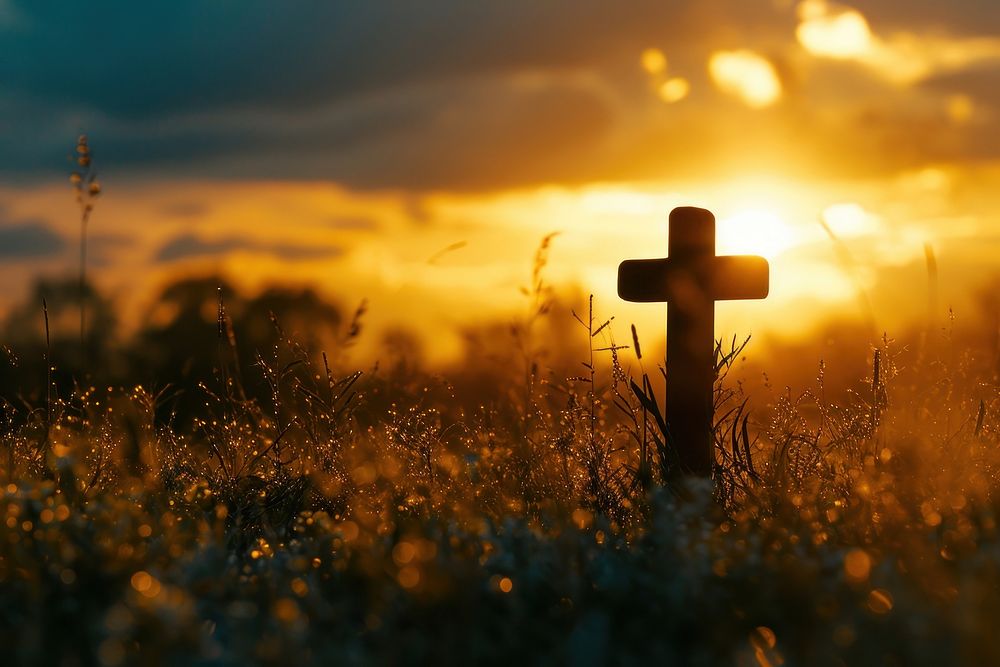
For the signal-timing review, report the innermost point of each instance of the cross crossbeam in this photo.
(690, 280)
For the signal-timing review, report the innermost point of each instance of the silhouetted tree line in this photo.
(197, 331)
(203, 335)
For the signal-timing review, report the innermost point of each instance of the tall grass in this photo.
(86, 188)
(861, 530)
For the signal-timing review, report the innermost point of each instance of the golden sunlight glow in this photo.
(849, 220)
(929, 180)
(755, 231)
(674, 89)
(653, 61)
(842, 35)
(747, 75)
(385, 255)
(605, 201)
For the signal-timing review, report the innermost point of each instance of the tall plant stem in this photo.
(84, 219)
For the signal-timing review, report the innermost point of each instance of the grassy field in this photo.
(285, 509)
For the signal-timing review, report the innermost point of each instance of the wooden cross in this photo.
(691, 279)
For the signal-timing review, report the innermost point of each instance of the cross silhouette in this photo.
(691, 279)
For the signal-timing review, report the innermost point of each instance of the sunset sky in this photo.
(415, 153)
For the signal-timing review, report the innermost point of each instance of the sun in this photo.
(755, 231)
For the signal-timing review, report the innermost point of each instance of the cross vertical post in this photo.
(691, 341)
(691, 279)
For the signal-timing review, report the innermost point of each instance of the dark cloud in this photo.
(472, 133)
(479, 136)
(964, 17)
(326, 90)
(187, 246)
(155, 59)
(429, 95)
(29, 240)
(981, 84)
(920, 134)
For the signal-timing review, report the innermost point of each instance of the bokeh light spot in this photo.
(857, 565)
(880, 601)
(674, 89)
(653, 61)
(841, 35)
(746, 75)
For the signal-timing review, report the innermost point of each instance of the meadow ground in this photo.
(284, 509)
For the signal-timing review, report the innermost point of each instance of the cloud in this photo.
(29, 240)
(473, 133)
(189, 246)
(481, 135)
(968, 17)
(904, 58)
(980, 84)
(185, 56)
(326, 90)
(442, 95)
(747, 75)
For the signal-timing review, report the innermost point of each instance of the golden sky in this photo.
(441, 152)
